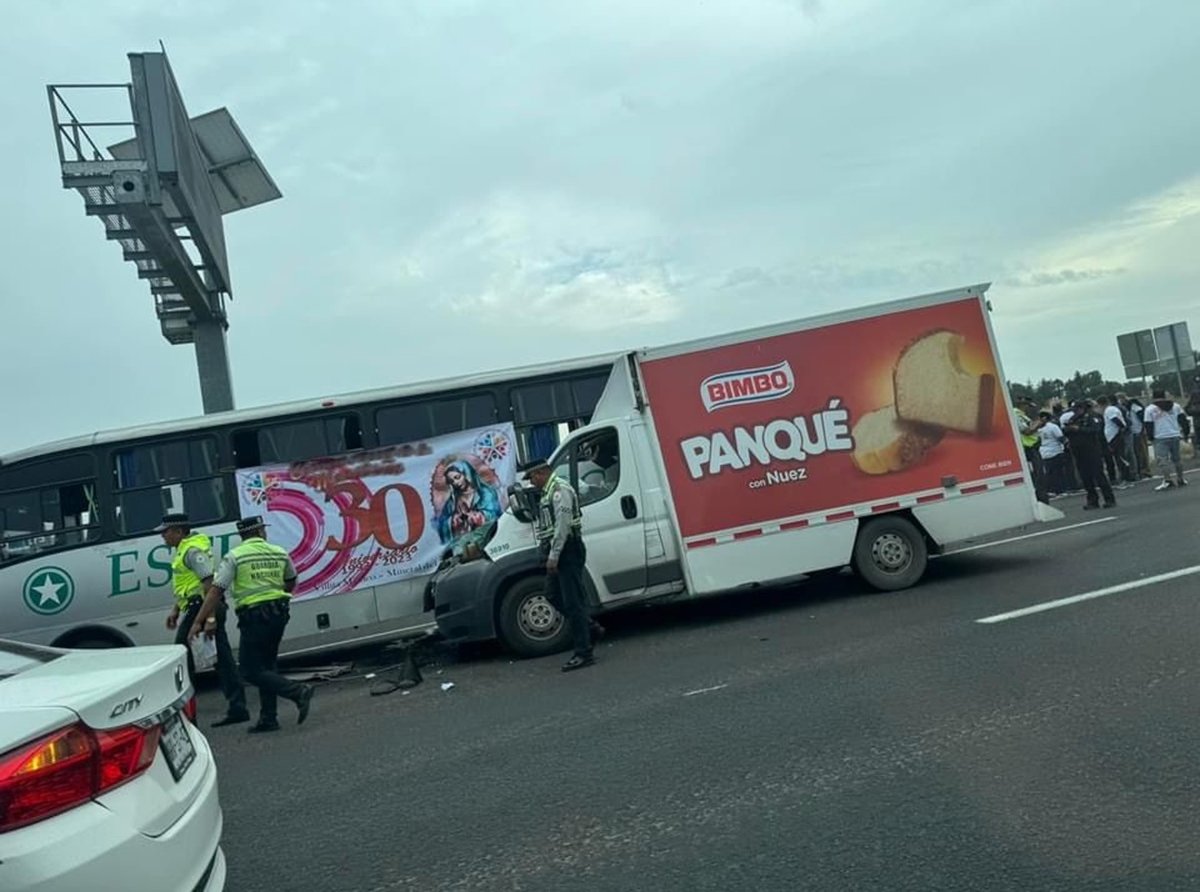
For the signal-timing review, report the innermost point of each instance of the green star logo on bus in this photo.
(49, 591)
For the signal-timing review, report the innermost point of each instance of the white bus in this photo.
(80, 565)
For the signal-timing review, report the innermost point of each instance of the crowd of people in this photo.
(1102, 445)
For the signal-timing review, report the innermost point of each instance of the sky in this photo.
(471, 185)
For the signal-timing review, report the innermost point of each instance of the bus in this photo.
(81, 565)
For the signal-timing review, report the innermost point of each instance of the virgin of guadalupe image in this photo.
(470, 502)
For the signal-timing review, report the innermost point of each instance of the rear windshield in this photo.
(16, 657)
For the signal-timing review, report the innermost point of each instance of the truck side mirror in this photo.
(520, 502)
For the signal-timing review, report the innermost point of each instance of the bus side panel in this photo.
(124, 586)
(403, 599)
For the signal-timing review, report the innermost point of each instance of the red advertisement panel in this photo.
(851, 413)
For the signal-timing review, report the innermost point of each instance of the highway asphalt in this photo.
(822, 737)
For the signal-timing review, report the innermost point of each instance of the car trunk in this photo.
(111, 689)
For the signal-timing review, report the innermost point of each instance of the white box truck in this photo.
(870, 439)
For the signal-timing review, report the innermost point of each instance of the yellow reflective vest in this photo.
(259, 571)
(187, 585)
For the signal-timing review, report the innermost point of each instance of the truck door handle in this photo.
(628, 507)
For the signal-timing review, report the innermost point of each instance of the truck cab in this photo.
(632, 553)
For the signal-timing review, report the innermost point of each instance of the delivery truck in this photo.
(869, 439)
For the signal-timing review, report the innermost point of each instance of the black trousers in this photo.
(261, 628)
(1057, 473)
(227, 670)
(1090, 463)
(1037, 469)
(565, 591)
(1114, 460)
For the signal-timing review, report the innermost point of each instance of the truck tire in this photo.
(528, 624)
(890, 553)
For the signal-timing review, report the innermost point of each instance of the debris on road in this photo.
(407, 675)
(385, 686)
(447, 685)
(716, 687)
(319, 673)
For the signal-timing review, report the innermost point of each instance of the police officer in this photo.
(260, 577)
(191, 572)
(559, 537)
(1085, 433)
(1025, 411)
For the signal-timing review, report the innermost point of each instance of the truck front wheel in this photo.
(529, 625)
(890, 553)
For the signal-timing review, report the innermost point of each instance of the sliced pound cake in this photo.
(884, 444)
(933, 388)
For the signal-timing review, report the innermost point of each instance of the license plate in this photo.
(177, 746)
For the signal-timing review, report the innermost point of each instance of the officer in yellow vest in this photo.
(259, 577)
(191, 572)
(1025, 411)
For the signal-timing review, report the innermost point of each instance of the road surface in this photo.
(818, 738)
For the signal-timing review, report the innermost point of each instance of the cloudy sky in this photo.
(462, 177)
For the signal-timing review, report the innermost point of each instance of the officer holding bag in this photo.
(191, 572)
(259, 577)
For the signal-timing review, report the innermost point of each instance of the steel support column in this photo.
(212, 363)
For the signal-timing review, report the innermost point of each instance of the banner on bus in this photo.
(370, 518)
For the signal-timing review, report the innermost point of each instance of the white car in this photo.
(105, 782)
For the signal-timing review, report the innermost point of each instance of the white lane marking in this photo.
(705, 690)
(1073, 526)
(1087, 596)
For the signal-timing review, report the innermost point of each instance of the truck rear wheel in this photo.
(529, 625)
(890, 553)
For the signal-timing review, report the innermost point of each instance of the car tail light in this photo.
(47, 777)
(124, 754)
(69, 767)
(189, 709)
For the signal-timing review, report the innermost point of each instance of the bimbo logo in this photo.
(747, 386)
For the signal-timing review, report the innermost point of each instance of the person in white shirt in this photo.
(1115, 426)
(1135, 437)
(1054, 454)
(1168, 423)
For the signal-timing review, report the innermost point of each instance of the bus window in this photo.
(545, 413)
(49, 514)
(543, 402)
(407, 423)
(540, 440)
(297, 440)
(452, 416)
(587, 393)
(158, 478)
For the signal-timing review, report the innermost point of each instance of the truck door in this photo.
(600, 466)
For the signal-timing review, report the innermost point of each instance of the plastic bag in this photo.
(204, 652)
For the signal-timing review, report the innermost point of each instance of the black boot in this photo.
(232, 718)
(304, 702)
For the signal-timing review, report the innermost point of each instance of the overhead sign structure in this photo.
(1166, 350)
(161, 195)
